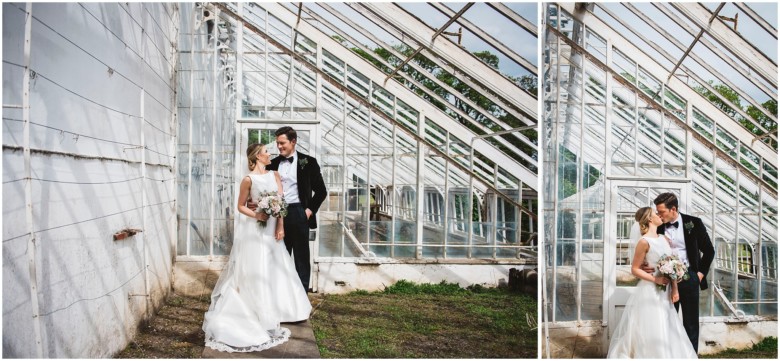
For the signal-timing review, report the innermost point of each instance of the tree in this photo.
(528, 83)
(752, 111)
(433, 71)
(724, 91)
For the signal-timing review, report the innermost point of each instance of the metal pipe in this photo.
(695, 40)
(215, 60)
(144, 247)
(32, 248)
(189, 142)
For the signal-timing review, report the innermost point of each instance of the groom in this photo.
(301, 177)
(692, 245)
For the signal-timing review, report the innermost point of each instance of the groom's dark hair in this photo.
(288, 131)
(668, 199)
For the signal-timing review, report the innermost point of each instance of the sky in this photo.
(526, 44)
(480, 14)
(483, 16)
(746, 27)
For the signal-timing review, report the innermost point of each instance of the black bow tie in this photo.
(673, 224)
(288, 159)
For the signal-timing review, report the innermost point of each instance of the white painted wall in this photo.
(195, 277)
(101, 107)
(348, 276)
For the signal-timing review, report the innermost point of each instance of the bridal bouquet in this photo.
(672, 268)
(272, 204)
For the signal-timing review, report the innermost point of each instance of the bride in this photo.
(259, 287)
(650, 327)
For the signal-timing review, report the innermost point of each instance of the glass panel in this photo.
(770, 175)
(622, 150)
(624, 66)
(674, 150)
(749, 159)
(703, 124)
(650, 148)
(566, 280)
(331, 237)
(592, 260)
(726, 142)
(674, 103)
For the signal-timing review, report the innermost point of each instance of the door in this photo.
(625, 198)
(264, 133)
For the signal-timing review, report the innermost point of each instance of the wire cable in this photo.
(95, 298)
(79, 135)
(88, 220)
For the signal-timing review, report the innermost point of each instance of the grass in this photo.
(409, 320)
(766, 348)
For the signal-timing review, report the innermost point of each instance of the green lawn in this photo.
(767, 348)
(426, 321)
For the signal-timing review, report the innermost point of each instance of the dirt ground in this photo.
(175, 332)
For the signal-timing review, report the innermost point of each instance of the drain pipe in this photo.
(32, 249)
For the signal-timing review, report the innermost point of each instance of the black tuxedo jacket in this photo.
(311, 187)
(697, 245)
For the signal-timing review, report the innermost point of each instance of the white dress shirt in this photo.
(678, 238)
(288, 172)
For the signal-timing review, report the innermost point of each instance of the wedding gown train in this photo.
(650, 327)
(258, 289)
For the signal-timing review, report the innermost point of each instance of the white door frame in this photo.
(615, 296)
(241, 166)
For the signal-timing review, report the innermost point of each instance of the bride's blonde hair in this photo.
(251, 154)
(642, 217)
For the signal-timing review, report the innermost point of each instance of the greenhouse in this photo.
(641, 99)
(125, 127)
(404, 160)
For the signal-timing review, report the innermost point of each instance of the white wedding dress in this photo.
(258, 289)
(650, 327)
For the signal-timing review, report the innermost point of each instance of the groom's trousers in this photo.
(296, 239)
(689, 302)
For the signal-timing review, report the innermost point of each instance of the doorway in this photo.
(625, 198)
(263, 133)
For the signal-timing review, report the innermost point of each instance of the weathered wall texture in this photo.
(101, 140)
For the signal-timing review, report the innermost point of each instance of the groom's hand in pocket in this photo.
(308, 213)
(701, 275)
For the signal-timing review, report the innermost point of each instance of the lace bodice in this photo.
(659, 246)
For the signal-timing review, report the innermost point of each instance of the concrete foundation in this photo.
(590, 340)
(195, 277)
(344, 277)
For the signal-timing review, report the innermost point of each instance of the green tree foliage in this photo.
(752, 111)
(724, 91)
(441, 96)
(567, 174)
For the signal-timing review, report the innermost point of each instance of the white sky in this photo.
(493, 23)
(746, 27)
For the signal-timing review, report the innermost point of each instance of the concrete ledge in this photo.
(343, 277)
(196, 278)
